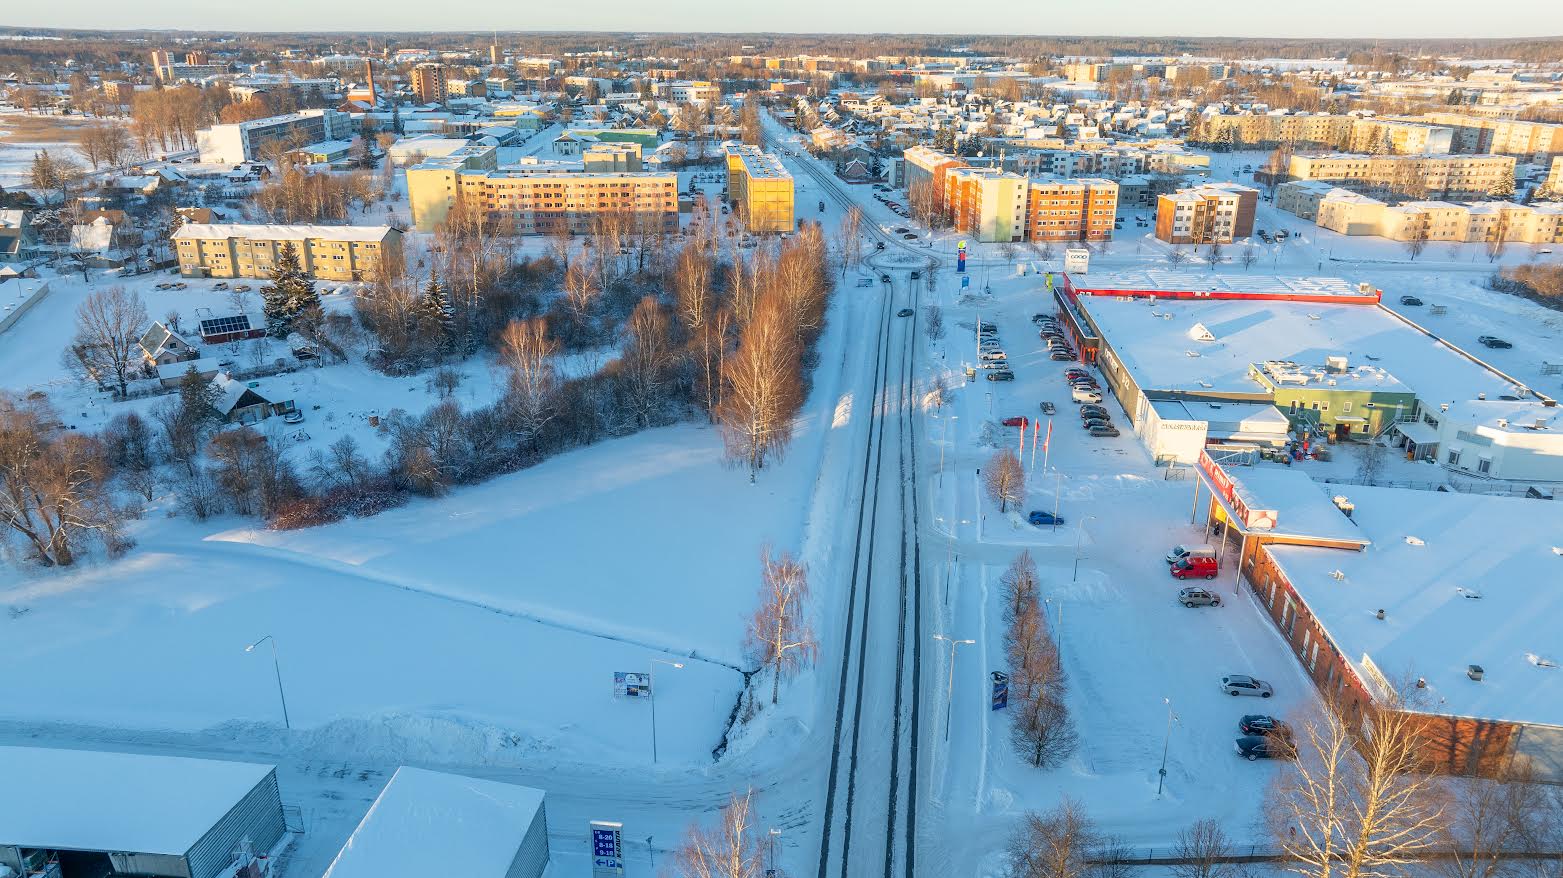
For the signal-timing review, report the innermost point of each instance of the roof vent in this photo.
(1475, 672)
(1338, 575)
(1414, 541)
(1540, 661)
(1469, 593)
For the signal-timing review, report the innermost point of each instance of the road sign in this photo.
(1000, 690)
(628, 684)
(607, 849)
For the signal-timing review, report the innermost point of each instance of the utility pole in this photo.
(949, 696)
(1165, 742)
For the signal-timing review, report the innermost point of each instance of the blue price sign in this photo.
(607, 849)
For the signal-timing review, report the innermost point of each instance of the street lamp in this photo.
(1162, 774)
(652, 683)
(943, 432)
(773, 833)
(1079, 532)
(949, 695)
(277, 667)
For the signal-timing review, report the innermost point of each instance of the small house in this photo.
(240, 403)
(169, 375)
(235, 327)
(161, 346)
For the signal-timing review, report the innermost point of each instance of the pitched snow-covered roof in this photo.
(101, 801)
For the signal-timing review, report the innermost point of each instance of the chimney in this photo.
(369, 77)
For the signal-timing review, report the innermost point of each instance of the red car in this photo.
(1016, 421)
(1195, 566)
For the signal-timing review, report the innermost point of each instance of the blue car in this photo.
(1040, 518)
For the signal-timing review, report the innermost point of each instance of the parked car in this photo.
(1410, 300)
(910, 236)
(1196, 567)
(1493, 341)
(1260, 725)
(1252, 747)
(1048, 408)
(1079, 395)
(1001, 375)
(901, 230)
(1061, 356)
(1194, 596)
(916, 275)
(1017, 421)
(1090, 410)
(1090, 422)
(1179, 552)
(1042, 519)
(904, 312)
(987, 327)
(1038, 318)
(994, 354)
(1242, 684)
(1104, 431)
(1076, 373)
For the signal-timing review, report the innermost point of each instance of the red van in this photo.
(1196, 567)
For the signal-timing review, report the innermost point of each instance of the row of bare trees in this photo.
(1041, 730)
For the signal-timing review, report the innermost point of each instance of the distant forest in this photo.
(96, 48)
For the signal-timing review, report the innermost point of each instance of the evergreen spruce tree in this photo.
(437, 309)
(289, 294)
(198, 398)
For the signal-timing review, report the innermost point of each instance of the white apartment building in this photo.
(247, 141)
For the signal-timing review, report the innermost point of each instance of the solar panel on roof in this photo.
(221, 325)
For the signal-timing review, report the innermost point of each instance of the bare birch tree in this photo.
(648, 353)
(1355, 804)
(1060, 843)
(762, 388)
(1005, 479)
(527, 351)
(1203, 848)
(779, 635)
(734, 848)
(109, 325)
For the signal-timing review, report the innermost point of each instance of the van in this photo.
(1196, 567)
(1180, 552)
(1080, 394)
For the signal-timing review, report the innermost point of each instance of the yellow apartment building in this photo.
(324, 252)
(761, 189)
(1423, 176)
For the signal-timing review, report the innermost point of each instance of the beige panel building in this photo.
(760, 189)
(1475, 134)
(324, 252)
(539, 200)
(1422, 176)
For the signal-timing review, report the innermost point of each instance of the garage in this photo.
(93, 814)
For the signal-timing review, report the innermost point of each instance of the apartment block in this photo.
(429, 83)
(1070, 210)
(1215, 213)
(1352, 213)
(686, 91)
(324, 252)
(612, 158)
(1321, 130)
(926, 166)
(1420, 176)
(257, 138)
(541, 199)
(988, 204)
(1553, 187)
(1476, 134)
(431, 184)
(1384, 136)
(760, 189)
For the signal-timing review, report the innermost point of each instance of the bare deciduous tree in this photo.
(1355, 803)
(1020, 586)
(109, 324)
(933, 322)
(1005, 479)
(734, 848)
(762, 388)
(1058, 844)
(53, 485)
(648, 353)
(779, 635)
(527, 351)
(1203, 848)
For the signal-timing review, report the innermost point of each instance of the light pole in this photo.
(651, 681)
(1079, 532)
(1162, 774)
(943, 433)
(949, 695)
(277, 667)
(773, 833)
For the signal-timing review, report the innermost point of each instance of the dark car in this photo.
(1260, 725)
(1038, 318)
(884, 278)
(1252, 747)
(1048, 408)
(1091, 422)
(1104, 431)
(904, 312)
(1062, 356)
(1001, 375)
(1042, 519)
(910, 236)
(1092, 409)
(987, 327)
(1410, 300)
(901, 230)
(916, 275)
(1493, 341)
(879, 245)
(1076, 373)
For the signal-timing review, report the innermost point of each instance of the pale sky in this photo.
(1292, 18)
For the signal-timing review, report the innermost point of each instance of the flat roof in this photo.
(1154, 342)
(92, 800)
(1166, 283)
(1447, 605)
(479, 825)
(1303, 509)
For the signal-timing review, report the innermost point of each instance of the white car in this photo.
(1082, 395)
(1242, 684)
(994, 354)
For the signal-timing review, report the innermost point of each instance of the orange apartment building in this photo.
(429, 83)
(1215, 213)
(928, 166)
(1070, 210)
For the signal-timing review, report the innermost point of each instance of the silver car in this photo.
(1194, 596)
(1242, 684)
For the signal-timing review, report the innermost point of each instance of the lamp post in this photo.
(944, 431)
(1165, 742)
(1079, 532)
(277, 667)
(949, 695)
(773, 833)
(652, 682)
